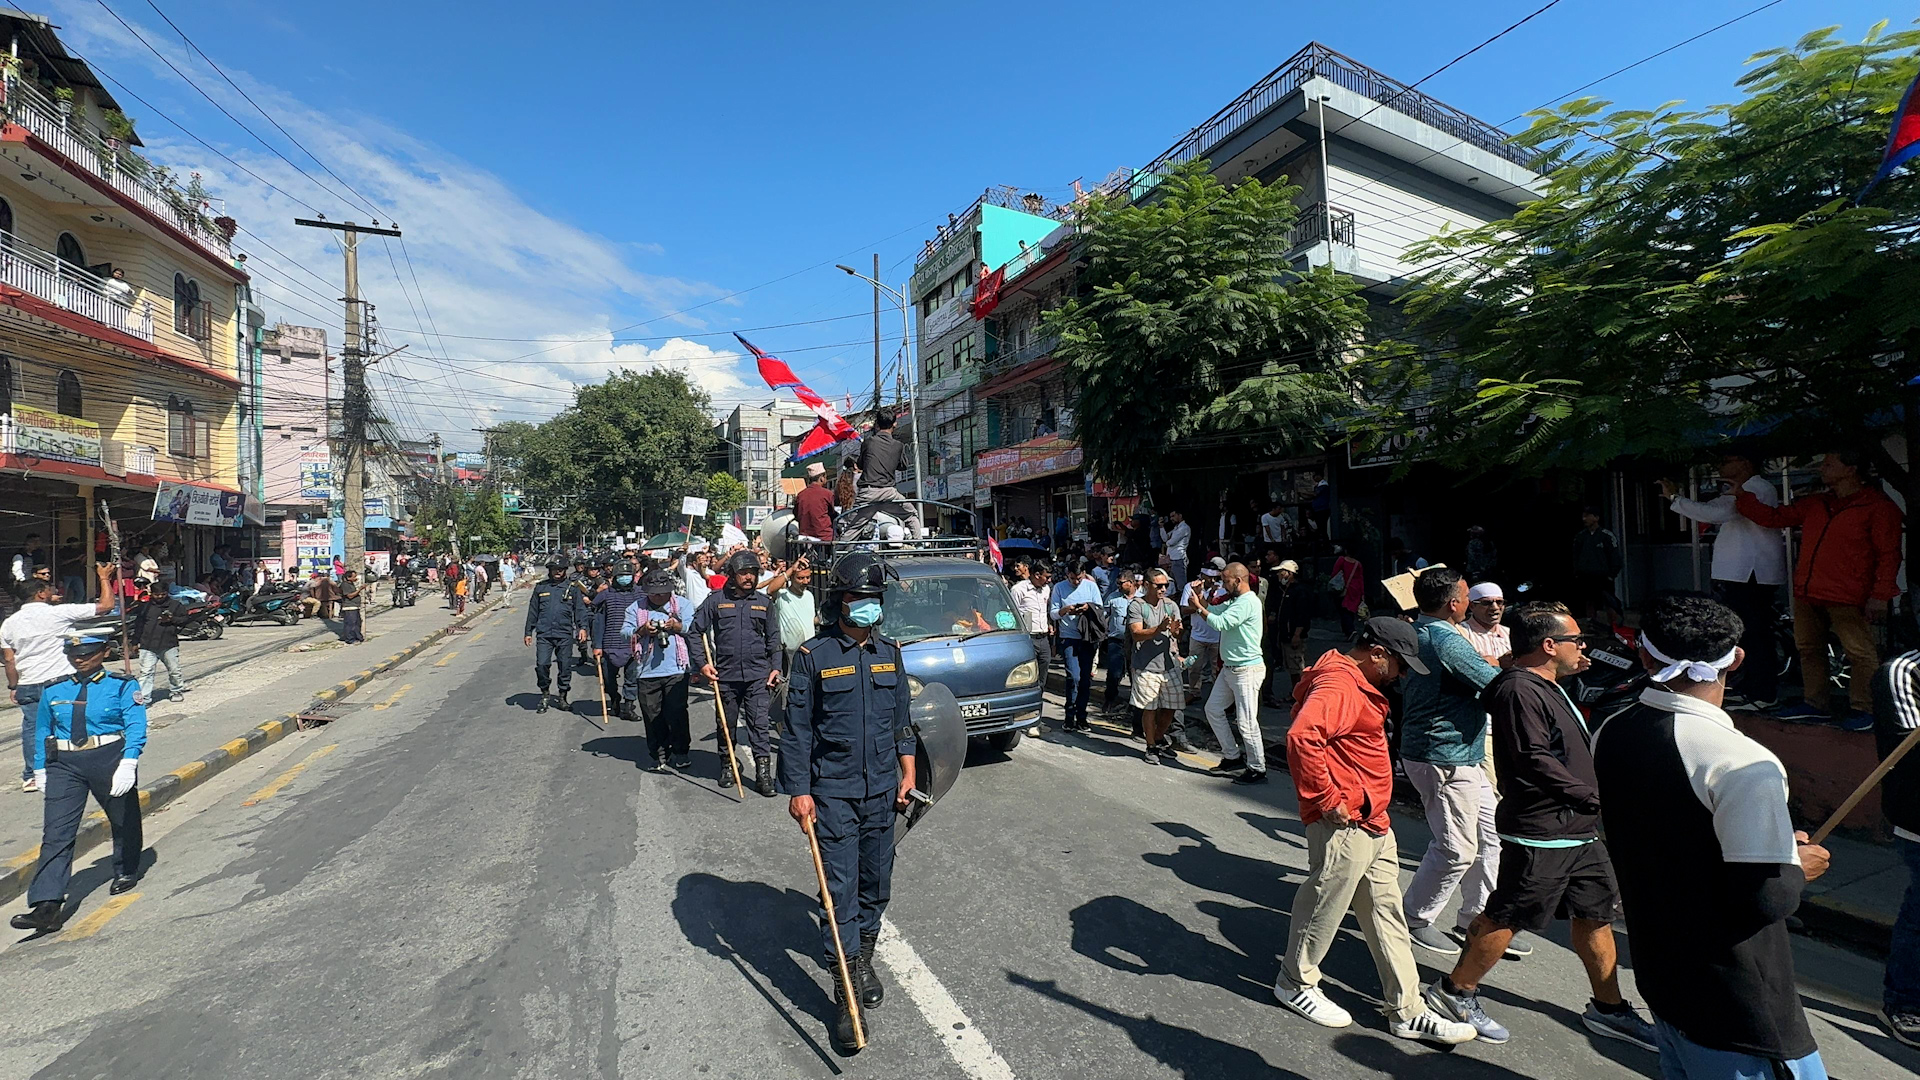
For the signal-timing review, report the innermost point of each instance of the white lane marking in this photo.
(965, 1043)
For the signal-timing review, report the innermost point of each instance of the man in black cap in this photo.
(847, 763)
(89, 734)
(656, 628)
(745, 658)
(612, 649)
(556, 615)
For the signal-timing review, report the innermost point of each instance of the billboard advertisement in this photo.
(316, 474)
(55, 437)
(191, 504)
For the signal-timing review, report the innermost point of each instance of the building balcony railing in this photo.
(79, 290)
(1315, 223)
(111, 160)
(1040, 346)
(119, 458)
(1318, 61)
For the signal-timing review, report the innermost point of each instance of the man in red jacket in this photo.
(1849, 561)
(1343, 772)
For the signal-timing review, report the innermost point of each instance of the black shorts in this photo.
(1538, 885)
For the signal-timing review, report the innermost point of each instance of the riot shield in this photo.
(935, 716)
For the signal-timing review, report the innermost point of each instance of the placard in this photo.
(693, 506)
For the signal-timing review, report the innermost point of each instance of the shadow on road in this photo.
(1205, 866)
(1128, 936)
(1398, 1058)
(1187, 1052)
(753, 925)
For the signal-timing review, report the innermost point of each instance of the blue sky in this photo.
(565, 172)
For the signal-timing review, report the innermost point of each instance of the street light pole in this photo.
(906, 364)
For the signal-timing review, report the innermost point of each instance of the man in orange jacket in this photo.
(1849, 563)
(1343, 773)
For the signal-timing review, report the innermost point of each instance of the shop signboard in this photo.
(316, 474)
(312, 551)
(374, 505)
(192, 504)
(380, 562)
(1039, 457)
(55, 437)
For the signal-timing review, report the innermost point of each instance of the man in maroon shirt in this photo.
(811, 508)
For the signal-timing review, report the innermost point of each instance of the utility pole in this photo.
(876, 336)
(354, 405)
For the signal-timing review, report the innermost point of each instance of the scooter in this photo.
(279, 602)
(204, 621)
(406, 592)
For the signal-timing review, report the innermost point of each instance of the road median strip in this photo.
(17, 871)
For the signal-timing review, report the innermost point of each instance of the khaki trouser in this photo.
(1464, 854)
(1351, 868)
(1811, 624)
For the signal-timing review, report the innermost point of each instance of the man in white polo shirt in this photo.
(32, 645)
(1749, 566)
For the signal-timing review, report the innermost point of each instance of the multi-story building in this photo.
(296, 377)
(121, 356)
(753, 449)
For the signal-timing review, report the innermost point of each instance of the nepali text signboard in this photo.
(1038, 457)
(191, 504)
(311, 550)
(316, 474)
(55, 437)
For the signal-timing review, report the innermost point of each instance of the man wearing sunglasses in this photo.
(1486, 605)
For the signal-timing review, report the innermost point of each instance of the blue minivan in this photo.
(955, 623)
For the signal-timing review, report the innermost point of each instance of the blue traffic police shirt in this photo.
(746, 636)
(113, 708)
(848, 721)
(555, 610)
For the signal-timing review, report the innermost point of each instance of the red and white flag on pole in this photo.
(829, 429)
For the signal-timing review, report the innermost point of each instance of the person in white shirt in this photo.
(1486, 604)
(1203, 638)
(1178, 535)
(1273, 526)
(32, 645)
(1749, 566)
(1030, 603)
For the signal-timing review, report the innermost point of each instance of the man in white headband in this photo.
(1485, 606)
(1707, 858)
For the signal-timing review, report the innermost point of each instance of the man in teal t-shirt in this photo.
(1239, 621)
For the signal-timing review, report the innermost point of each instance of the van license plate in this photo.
(973, 711)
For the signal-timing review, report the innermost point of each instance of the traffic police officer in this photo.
(746, 657)
(847, 762)
(611, 648)
(555, 614)
(88, 735)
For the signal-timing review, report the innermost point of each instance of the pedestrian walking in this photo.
(1343, 775)
(1442, 747)
(613, 649)
(1749, 566)
(744, 661)
(656, 631)
(1347, 585)
(1179, 536)
(155, 627)
(797, 610)
(1708, 862)
(89, 730)
(556, 617)
(1239, 620)
(1553, 863)
(1483, 627)
(847, 764)
(351, 630)
(1077, 610)
(1896, 713)
(1597, 562)
(1115, 651)
(1847, 573)
(31, 647)
(1289, 614)
(1159, 691)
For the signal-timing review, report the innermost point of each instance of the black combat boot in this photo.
(43, 916)
(763, 775)
(843, 1041)
(560, 699)
(871, 992)
(544, 700)
(726, 765)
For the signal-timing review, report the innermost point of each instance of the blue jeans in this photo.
(1683, 1059)
(1903, 956)
(1115, 657)
(1079, 655)
(29, 695)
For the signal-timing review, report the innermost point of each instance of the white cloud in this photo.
(488, 263)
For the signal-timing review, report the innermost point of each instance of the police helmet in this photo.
(742, 561)
(658, 581)
(77, 645)
(858, 574)
(625, 566)
(555, 562)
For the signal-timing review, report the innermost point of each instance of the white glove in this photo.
(125, 776)
(40, 779)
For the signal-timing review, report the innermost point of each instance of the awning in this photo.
(1043, 456)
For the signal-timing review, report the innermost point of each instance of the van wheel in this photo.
(1005, 741)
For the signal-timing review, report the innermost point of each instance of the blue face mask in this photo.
(623, 580)
(864, 611)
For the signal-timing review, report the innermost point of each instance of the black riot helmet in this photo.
(741, 562)
(556, 566)
(858, 574)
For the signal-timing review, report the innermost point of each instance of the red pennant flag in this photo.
(781, 377)
(987, 296)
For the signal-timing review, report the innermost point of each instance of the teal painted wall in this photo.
(1001, 231)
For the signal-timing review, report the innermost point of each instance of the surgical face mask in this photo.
(864, 612)
(623, 580)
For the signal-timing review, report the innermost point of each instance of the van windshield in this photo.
(928, 607)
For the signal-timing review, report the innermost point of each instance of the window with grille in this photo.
(762, 486)
(189, 313)
(754, 441)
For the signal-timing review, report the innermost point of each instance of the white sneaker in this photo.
(1431, 1027)
(1309, 1002)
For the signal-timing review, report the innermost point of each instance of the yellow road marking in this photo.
(100, 916)
(289, 776)
(442, 662)
(396, 697)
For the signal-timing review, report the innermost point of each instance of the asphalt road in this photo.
(451, 885)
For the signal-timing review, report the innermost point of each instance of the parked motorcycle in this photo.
(278, 601)
(203, 621)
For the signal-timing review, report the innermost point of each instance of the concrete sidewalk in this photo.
(259, 687)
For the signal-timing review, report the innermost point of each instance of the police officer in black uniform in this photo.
(847, 762)
(555, 614)
(588, 582)
(746, 657)
(612, 649)
(89, 733)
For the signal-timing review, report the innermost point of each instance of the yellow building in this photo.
(122, 370)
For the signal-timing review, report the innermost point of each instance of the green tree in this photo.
(626, 451)
(1687, 274)
(724, 494)
(484, 522)
(1197, 329)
